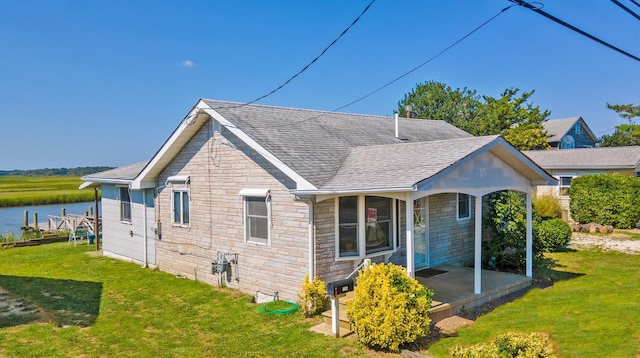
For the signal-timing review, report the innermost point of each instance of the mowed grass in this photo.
(100, 307)
(592, 310)
(19, 191)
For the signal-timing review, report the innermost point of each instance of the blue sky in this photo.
(104, 83)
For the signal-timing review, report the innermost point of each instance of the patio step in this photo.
(345, 327)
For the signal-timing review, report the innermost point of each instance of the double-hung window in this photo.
(181, 207)
(257, 216)
(565, 185)
(365, 226)
(125, 204)
(464, 206)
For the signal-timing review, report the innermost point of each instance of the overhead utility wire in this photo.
(569, 26)
(626, 8)
(427, 61)
(635, 2)
(404, 74)
(315, 59)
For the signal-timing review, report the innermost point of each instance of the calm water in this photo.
(11, 219)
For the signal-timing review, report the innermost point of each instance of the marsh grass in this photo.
(19, 191)
(109, 308)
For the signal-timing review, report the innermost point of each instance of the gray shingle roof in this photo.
(557, 128)
(402, 165)
(127, 172)
(587, 158)
(315, 143)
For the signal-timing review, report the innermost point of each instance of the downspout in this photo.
(311, 241)
(145, 225)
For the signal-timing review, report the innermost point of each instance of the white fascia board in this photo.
(142, 181)
(98, 181)
(301, 182)
(352, 191)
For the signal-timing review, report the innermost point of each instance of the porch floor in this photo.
(453, 290)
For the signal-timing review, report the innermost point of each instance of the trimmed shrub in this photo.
(606, 199)
(516, 345)
(547, 207)
(389, 308)
(553, 235)
(313, 297)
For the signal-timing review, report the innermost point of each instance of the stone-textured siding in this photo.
(451, 241)
(219, 167)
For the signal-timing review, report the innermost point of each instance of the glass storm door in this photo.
(420, 233)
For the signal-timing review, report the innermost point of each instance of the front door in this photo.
(421, 232)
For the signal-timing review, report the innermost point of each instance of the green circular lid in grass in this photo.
(278, 307)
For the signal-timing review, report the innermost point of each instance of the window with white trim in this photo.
(567, 142)
(365, 226)
(577, 130)
(125, 204)
(181, 212)
(257, 216)
(348, 226)
(464, 206)
(564, 183)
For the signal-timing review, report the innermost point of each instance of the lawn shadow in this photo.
(36, 299)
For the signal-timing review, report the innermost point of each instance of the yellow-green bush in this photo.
(547, 207)
(512, 344)
(389, 307)
(313, 297)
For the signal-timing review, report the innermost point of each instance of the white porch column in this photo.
(411, 265)
(477, 277)
(529, 243)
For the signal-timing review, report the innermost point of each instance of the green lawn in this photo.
(18, 191)
(592, 310)
(100, 307)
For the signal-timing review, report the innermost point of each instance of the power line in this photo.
(316, 58)
(406, 73)
(569, 26)
(635, 2)
(621, 5)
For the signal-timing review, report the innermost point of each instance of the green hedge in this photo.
(606, 199)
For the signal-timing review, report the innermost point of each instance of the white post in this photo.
(335, 316)
(410, 244)
(529, 243)
(145, 263)
(477, 277)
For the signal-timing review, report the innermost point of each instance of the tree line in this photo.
(511, 115)
(78, 171)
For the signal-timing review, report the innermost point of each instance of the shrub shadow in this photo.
(62, 302)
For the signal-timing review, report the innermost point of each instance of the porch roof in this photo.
(402, 167)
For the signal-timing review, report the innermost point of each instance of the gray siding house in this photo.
(254, 197)
(569, 133)
(565, 165)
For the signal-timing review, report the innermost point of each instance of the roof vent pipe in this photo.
(397, 129)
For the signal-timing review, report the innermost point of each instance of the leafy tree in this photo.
(436, 100)
(513, 116)
(625, 134)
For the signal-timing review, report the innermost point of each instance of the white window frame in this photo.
(561, 186)
(569, 143)
(182, 192)
(459, 199)
(123, 218)
(361, 224)
(263, 194)
(577, 128)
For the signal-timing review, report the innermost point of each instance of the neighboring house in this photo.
(255, 197)
(565, 165)
(569, 133)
